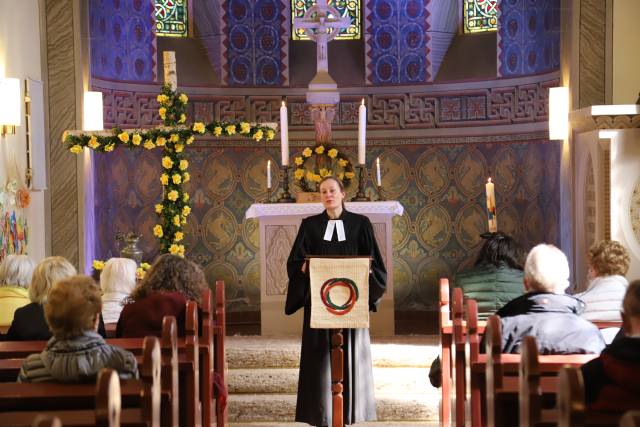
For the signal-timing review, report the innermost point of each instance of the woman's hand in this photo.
(304, 267)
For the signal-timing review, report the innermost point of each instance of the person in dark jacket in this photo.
(167, 286)
(29, 322)
(545, 312)
(496, 277)
(612, 381)
(76, 353)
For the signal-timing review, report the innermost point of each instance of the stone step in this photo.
(245, 352)
(390, 380)
(274, 408)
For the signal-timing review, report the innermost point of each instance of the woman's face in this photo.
(330, 194)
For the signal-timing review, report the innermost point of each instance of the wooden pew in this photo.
(220, 331)
(446, 339)
(75, 404)
(458, 356)
(47, 421)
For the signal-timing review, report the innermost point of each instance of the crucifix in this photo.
(322, 23)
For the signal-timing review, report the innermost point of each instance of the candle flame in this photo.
(268, 163)
(362, 101)
(489, 180)
(283, 103)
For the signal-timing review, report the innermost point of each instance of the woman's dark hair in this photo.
(500, 249)
(171, 273)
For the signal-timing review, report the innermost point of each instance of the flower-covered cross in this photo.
(173, 138)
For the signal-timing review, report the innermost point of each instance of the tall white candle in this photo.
(284, 135)
(362, 131)
(269, 174)
(378, 172)
(491, 206)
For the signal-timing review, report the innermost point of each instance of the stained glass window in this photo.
(350, 8)
(480, 15)
(171, 18)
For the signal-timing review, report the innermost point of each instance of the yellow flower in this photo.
(97, 264)
(161, 141)
(186, 211)
(190, 140)
(124, 137)
(109, 147)
(349, 175)
(341, 176)
(179, 148)
(332, 153)
(185, 197)
(186, 177)
(319, 149)
(270, 134)
(139, 273)
(309, 176)
(162, 98)
(183, 118)
(298, 161)
(65, 134)
(316, 177)
(176, 178)
(217, 131)
(298, 174)
(307, 152)
(183, 98)
(198, 127)
(245, 127)
(184, 164)
(343, 162)
(176, 220)
(162, 112)
(231, 129)
(157, 230)
(174, 249)
(137, 139)
(167, 163)
(164, 179)
(172, 195)
(145, 266)
(76, 149)
(178, 236)
(324, 172)
(181, 250)
(184, 220)
(148, 144)
(93, 142)
(258, 135)
(159, 208)
(174, 137)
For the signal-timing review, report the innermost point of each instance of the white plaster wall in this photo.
(625, 174)
(626, 61)
(20, 57)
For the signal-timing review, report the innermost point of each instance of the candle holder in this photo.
(360, 196)
(269, 191)
(380, 195)
(286, 196)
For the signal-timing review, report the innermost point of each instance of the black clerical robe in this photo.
(314, 384)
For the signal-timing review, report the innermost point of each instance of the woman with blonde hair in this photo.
(15, 276)
(29, 323)
(117, 280)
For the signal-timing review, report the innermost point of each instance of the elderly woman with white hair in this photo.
(545, 311)
(15, 276)
(117, 280)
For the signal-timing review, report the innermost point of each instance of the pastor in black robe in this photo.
(314, 385)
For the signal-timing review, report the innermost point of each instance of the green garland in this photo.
(174, 208)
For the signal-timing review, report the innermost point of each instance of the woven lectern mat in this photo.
(339, 292)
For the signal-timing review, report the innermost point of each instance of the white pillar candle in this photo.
(378, 177)
(491, 206)
(284, 135)
(269, 174)
(362, 130)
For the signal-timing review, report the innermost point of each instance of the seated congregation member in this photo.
(545, 312)
(117, 280)
(612, 381)
(167, 286)
(15, 276)
(76, 353)
(496, 277)
(29, 322)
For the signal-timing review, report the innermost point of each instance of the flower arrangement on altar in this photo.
(313, 165)
(98, 265)
(173, 138)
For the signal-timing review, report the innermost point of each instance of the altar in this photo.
(279, 223)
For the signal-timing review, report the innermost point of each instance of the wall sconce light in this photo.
(558, 113)
(92, 116)
(9, 105)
